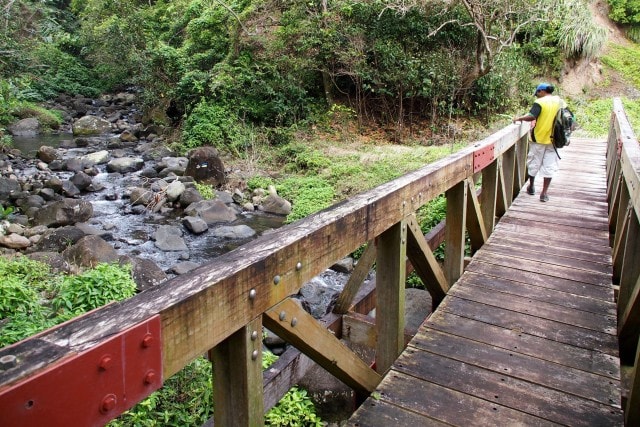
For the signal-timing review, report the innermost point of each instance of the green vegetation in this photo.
(32, 298)
(206, 190)
(295, 409)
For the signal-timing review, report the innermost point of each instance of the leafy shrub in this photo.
(211, 124)
(295, 409)
(205, 190)
(625, 11)
(94, 288)
(299, 158)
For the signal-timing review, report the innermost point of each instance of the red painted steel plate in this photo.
(92, 387)
(483, 158)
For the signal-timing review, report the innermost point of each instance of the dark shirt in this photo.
(535, 110)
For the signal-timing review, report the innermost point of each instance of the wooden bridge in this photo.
(532, 331)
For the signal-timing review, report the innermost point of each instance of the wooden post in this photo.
(632, 408)
(501, 196)
(237, 378)
(628, 331)
(509, 169)
(488, 195)
(390, 282)
(455, 231)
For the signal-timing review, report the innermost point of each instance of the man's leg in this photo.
(531, 189)
(545, 187)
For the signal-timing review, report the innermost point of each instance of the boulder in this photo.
(205, 165)
(211, 211)
(125, 164)
(90, 251)
(53, 259)
(8, 187)
(169, 238)
(57, 239)
(63, 212)
(25, 127)
(184, 267)
(276, 205)
(15, 241)
(81, 180)
(174, 190)
(47, 154)
(145, 272)
(90, 125)
(190, 195)
(96, 158)
(195, 224)
(234, 232)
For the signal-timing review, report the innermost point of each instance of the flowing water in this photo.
(131, 233)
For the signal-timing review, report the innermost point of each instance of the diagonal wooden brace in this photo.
(289, 321)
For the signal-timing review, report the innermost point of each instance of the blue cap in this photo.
(542, 86)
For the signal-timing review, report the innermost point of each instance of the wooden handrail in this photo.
(623, 190)
(219, 307)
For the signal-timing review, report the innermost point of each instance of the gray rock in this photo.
(189, 195)
(25, 127)
(96, 158)
(8, 187)
(53, 259)
(417, 307)
(169, 238)
(81, 180)
(15, 241)
(211, 211)
(195, 224)
(141, 196)
(145, 272)
(58, 239)
(69, 189)
(224, 197)
(184, 267)
(90, 251)
(174, 190)
(47, 154)
(345, 265)
(64, 212)
(90, 125)
(276, 205)
(233, 232)
(125, 164)
(74, 164)
(54, 183)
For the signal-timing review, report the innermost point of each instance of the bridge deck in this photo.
(527, 335)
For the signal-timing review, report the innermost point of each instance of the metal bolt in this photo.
(283, 315)
(276, 280)
(150, 377)
(252, 294)
(299, 266)
(105, 363)
(254, 355)
(294, 322)
(254, 335)
(8, 361)
(108, 403)
(147, 341)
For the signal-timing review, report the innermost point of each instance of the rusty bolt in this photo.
(150, 377)
(105, 363)
(8, 361)
(147, 341)
(108, 403)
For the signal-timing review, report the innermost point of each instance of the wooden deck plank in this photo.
(527, 335)
(506, 390)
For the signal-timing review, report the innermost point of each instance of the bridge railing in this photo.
(623, 188)
(105, 361)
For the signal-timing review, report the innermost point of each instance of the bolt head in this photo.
(8, 361)
(147, 341)
(108, 403)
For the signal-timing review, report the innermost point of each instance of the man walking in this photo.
(542, 158)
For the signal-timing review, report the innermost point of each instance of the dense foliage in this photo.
(231, 70)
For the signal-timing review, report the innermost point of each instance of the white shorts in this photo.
(542, 160)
